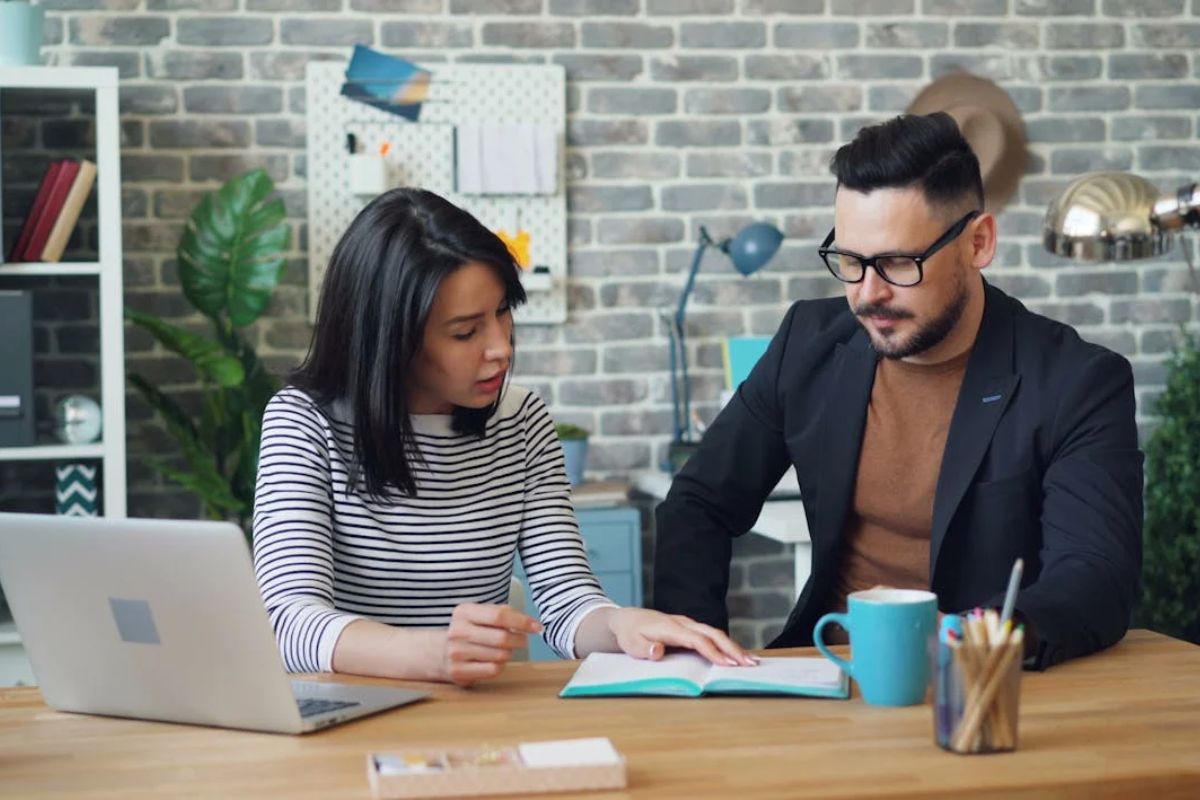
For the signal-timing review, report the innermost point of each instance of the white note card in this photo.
(569, 752)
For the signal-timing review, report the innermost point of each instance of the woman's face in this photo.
(467, 346)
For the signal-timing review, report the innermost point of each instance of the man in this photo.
(938, 428)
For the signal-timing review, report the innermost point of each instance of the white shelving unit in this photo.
(107, 270)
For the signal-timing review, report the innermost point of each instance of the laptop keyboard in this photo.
(311, 706)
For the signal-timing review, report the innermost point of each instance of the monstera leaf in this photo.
(231, 251)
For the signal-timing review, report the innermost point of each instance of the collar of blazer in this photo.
(988, 387)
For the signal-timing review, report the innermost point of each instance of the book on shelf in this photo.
(64, 189)
(599, 494)
(64, 225)
(35, 211)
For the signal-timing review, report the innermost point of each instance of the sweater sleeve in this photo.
(563, 586)
(293, 533)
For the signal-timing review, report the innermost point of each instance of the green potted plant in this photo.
(231, 255)
(20, 33)
(1170, 601)
(574, 441)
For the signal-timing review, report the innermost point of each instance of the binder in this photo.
(16, 369)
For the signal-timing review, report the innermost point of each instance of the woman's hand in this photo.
(481, 640)
(643, 633)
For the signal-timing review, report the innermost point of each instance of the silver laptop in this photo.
(161, 620)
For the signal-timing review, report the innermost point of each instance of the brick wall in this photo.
(681, 113)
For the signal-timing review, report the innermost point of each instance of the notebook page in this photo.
(793, 671)
(601, 669)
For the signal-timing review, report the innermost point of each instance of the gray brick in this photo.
(639, 294)
(645, 166)
(184, 65)
(789, 131)
(609, 263)
(996, 66)
(607, 67)
(1151, 128)
(723, 34)
(508, 58)
(1076, 162)
(148, 99)
(737, 164)
(618, 456)
(1167, 35)
(703, 197)
(880, 66)
(286, 132)
(529, 34)
(750, 7)
(404, 6)
(889, 98)
(1021, 285)
(907, 35)
(577, 166)
(594, 132)
(293, 6)
(1169, 157)
(628, 100)
(125, 30)
(146, 168)
(1073, 284)
(694, 68)
(1123, 342)
(1027, 98)
(860, 8)
(626, 34)
(810, 99)
(232, 100)
(1010, 35)
(635, 421)
(697, 133)
(1069, 68)
(617, 326)
(793, 194)
(176, 204)
(427, 34)
(675, 8)
(223, 167)
(1133, 66)
(726, 101)
(328, 31)
(554, 362)
(812, 225)
(1143, 8)
(1055, 7)
(1160, 341)
(772, 574)
(284, 65)
(759, 605)
(598, 199)
(1038, 192)
(1084, 35)
(738, 292)
(1088, 98)
(1156, 310)
(128, 64)
(224, 31)
(496, 7)
(190, 5)
(962, 8)
(169, 134)
(1168, 97)
(823, 35)
(639, 230)
(593, 8)
(1065, 129)
(786, 68)
(1070, 313)
(133, 204)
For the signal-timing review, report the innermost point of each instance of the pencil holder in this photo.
(977, 696)
(368, 174)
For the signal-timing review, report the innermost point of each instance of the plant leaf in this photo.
(207, 356)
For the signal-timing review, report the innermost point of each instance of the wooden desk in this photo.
(1125, 722)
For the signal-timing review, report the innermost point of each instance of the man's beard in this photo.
(927, 336)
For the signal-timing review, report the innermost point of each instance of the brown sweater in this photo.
(886, 536)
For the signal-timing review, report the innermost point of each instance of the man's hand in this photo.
(481, 640)
(643, 633)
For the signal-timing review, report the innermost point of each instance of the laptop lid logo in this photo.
(134, 621)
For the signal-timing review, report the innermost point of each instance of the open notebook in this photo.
(690, 675)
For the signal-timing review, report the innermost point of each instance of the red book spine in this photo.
(54, 204)
(39, 203)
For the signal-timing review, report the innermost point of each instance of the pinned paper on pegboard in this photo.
(356, 150)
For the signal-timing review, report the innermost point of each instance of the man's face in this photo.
(904, 321)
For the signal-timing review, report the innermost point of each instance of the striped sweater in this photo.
(325, 555)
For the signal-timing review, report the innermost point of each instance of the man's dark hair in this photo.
(926, 151)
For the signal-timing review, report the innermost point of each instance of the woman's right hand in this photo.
(481, 640)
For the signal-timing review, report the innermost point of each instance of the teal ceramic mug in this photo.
(20, 33)
(890, 630)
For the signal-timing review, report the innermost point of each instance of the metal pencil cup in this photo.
(977, 697)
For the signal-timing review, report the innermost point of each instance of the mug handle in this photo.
(843, 620)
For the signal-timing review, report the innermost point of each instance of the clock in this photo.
(77, 419)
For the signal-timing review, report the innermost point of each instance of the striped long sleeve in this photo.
(326, 554)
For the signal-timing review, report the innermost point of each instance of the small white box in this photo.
(368, 174)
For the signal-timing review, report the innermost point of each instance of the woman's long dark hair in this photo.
(375, 301)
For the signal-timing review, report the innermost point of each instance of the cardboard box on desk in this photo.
(528, 768)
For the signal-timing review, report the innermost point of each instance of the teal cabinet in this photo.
(613, 540)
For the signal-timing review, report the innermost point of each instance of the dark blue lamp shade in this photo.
(753, 247)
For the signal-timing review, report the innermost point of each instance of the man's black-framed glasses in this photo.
(898, 269)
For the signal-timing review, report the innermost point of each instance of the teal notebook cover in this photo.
(740, 354)
(690, 675)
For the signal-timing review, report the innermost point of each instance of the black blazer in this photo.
(1041, 462)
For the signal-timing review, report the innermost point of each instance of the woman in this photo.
(400, 474)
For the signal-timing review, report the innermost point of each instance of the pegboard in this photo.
(422, 154)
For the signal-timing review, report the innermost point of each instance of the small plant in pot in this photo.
(20, 33)
(574, 444)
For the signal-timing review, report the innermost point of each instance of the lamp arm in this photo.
(681, 413)
(1182, 210)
